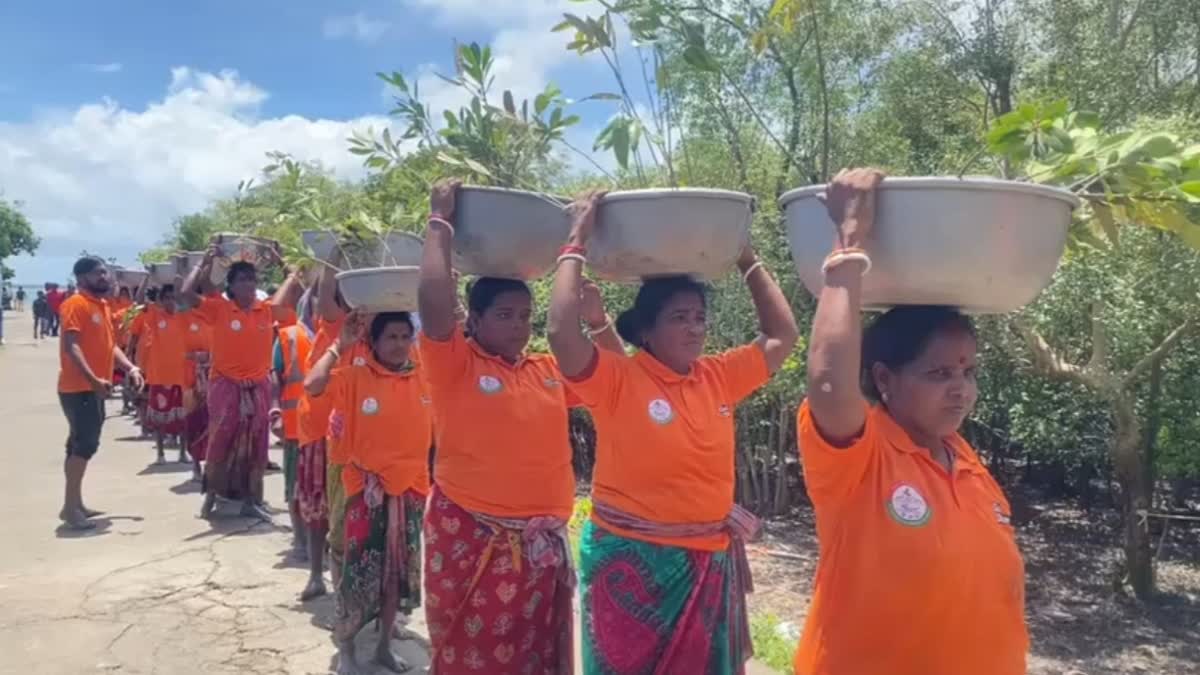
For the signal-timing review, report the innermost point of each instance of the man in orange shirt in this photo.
(162, 338)
(239, 392)
(86, 359)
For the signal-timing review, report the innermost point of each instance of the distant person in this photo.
(20, 299)
(161, 339)
(86, 357)
(55, 297)
(41, 310)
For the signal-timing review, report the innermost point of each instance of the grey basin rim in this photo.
(950, 183)
(511, 191)
(367, 271)
(658, 193)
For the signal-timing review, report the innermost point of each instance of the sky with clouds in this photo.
(114, 122)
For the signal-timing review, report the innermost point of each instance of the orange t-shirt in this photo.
(386, 426)
(665, 441)
(241, 339)
(314, 412)
(502, 446)
(197, 338)
(919, 571)
(161, 341)
(87, 316)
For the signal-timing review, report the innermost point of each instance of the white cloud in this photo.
(112, 179)
(102, 68)
(356, 26)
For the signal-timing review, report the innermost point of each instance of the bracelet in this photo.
(443, 222)
(756, 266)
(572, 248)
(846, 255)
(571, 256)
(596, 331)
(337, 356)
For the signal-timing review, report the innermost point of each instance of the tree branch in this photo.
(1159, 353)
(1099, 359)
(1049, 362)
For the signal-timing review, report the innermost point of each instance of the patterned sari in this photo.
(238, 437)
(382, 558)
(196, 422)
(497, 592)
(652, 609)
(310, 485)
(164, 411)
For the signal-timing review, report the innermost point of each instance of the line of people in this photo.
(431, 458)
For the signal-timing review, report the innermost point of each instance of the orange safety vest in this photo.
(295, 345)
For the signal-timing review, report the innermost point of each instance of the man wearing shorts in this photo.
(86, 358)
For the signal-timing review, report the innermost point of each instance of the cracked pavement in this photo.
(153, 590)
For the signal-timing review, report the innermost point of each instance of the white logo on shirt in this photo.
(235, 325)
(95, 318)
(194, 328)
(370, 406)
(358, 361)
(489, 384)
(724, 410)
(162, 324)
(660, 411)
(907, 507)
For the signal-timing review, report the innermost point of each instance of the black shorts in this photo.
(85, 418)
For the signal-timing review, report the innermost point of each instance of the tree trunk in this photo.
(781, 461)
(1137, 493)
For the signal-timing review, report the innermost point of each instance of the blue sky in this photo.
(116, 118)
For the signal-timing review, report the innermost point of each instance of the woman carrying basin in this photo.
(386, 433)
(498, 573)
(919, 570)
(662, 564)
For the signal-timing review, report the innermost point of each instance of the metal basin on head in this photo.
(236, 247)
(162, 273)
(684, 231)
(506, 233)
(983, 245)
(381, 289)
(393, 249)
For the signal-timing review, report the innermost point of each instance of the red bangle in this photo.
(572, 248)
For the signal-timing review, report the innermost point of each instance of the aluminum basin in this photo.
(381, 289)
(395, 249)
(237, 247)
(648, 233)
(507, 233)
(131, 278)
(162, 273)
(983, 245)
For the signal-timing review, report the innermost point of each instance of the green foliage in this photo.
(507, 144)
(16, 234)
(771, 647)
(1142, 176)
